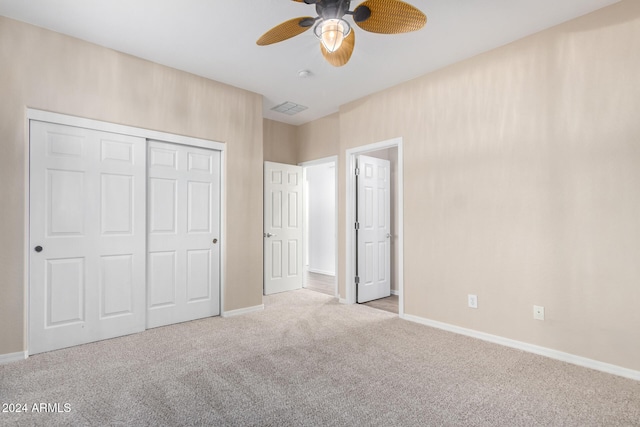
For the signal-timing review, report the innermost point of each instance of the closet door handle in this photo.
(38, 249)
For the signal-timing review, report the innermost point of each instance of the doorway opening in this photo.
(391, 150)
(320, 221)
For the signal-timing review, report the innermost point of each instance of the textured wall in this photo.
(280, 142)
(49, 71)
(318, 139)
(521, 172)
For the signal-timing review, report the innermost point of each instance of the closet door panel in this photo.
(184, 221)
(87, 236)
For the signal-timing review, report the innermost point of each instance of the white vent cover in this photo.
(289, 108)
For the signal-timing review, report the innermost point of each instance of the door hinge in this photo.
(357, 171)
(357, 280)
(357, 225)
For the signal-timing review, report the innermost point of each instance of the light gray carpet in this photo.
(308, 360)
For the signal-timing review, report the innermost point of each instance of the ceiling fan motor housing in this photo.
(332, 9)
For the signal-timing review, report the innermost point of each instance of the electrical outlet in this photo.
(472, 300)
(538, 312)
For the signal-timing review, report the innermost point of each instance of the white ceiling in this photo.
(216, 39)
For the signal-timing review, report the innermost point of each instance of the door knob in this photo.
(38, 248)
(215, 241)
(269, 235)
(388, 235)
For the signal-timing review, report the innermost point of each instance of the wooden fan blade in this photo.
(284, 31)
(390, 17)
(343, 54)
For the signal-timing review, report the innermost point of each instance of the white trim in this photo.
(330, 159)
(241, 311)
(26, 253)
(530, 348)
(323, 272)
(13, 357)
(395, 292)
(223, 226)
(350, 218)
(62, 119)
(342, 301)
(324, 160)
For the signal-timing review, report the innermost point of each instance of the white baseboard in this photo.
(342, 300)
(242, 311)
(395, 292)
(13, 357)
(531, 348)
(326, 273)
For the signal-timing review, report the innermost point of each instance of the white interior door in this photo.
(87, 236)
(373, 229)
(183, 232)
(282, 227)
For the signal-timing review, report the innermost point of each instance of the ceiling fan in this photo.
(337, 39)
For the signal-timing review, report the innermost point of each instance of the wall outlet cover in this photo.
(538, 312)
(472, 301)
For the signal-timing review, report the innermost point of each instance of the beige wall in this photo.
(290, 144)
(280, 142)
(522, 178)
(520, 168)
(49, 71)
(318, 139)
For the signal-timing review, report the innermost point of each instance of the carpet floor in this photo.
(307, 360)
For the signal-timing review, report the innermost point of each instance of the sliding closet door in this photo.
(183, 224)
(87, 236)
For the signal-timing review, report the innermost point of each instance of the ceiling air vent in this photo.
(289, 108)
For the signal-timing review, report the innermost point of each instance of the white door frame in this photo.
(323, 161)
(351, 218)
(63, 119)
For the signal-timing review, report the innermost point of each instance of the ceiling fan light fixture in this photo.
(332, 32)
